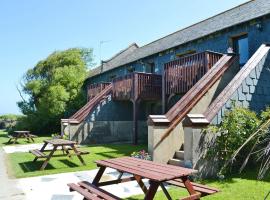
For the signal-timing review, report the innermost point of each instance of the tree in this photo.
(54, 87)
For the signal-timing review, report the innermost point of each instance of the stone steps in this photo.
(179, 155)
(176, 162)
(178, 159)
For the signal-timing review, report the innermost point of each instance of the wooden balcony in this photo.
(94, 89)
(182, 74)
(135, 86)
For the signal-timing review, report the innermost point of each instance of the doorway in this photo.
(240, 46)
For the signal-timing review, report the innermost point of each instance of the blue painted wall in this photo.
(253, 93)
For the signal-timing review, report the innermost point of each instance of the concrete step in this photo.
(177, 162)
(179, 155)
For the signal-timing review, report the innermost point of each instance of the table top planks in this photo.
(60, 142)
(27, 132)
(147, 169)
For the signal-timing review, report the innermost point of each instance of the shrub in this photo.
(237, 125)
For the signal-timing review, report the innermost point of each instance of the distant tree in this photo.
(9, 121)
(54, 87)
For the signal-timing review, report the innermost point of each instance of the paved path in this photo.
(54, 187)
(9, 187)
(25, 147)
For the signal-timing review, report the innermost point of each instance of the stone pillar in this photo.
(193, 125)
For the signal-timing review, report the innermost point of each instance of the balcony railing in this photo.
(94, 89)
(182, 74)
(136, 86)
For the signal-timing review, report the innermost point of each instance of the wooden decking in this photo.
(136, 86)
(184, 73)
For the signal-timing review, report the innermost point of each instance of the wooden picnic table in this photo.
(157, 174)
(21, 134)
(66, 145)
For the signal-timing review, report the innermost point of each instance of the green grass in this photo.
(4, 139)
(237, 187)
(22, 165)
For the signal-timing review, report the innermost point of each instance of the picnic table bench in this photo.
(21, 134)
(66, 146)
(157, 174)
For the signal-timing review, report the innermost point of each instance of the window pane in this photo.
(243, 50)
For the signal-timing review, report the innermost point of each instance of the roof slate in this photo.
(237, 15)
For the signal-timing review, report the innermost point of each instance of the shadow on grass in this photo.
(107, 154)
(69, 163)
(31, 166)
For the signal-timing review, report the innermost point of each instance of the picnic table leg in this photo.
(98, 175)
(189, 186)
(15, 139)
(31, 137)
(78, 155)
(27, 137)
(152, 190)
(120, 175)
(64, 149)
(141, 183)
(42, 149)
(48, 158)
(165, 191)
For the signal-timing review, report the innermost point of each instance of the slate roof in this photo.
(237, 15)
(113, 61)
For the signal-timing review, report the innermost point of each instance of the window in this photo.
(240, 46)
(150, 68)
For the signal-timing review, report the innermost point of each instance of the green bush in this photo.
(10, 121)
(237, 125)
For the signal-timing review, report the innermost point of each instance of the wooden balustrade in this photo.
(94, 89)
(182, 74)
(137, 85)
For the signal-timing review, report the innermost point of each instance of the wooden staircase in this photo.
(81, 114)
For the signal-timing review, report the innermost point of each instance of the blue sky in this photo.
(32, 29)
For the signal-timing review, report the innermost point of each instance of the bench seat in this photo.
(203, 189)
(38, 153)
(91, 192)
(33, 136)
(81, 152)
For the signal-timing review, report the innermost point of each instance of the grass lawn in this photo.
(21, 164)
(4, 139)
(237, 187)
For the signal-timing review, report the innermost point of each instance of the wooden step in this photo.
(179, 155)
(177, 162)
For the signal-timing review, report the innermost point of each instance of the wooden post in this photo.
(135, 122)
(163, 93)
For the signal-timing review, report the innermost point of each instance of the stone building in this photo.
(163, 92)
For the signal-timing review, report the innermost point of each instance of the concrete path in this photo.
(9, 187)
(25, 147)
(54, 187)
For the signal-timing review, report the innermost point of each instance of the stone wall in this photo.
(105, 132)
